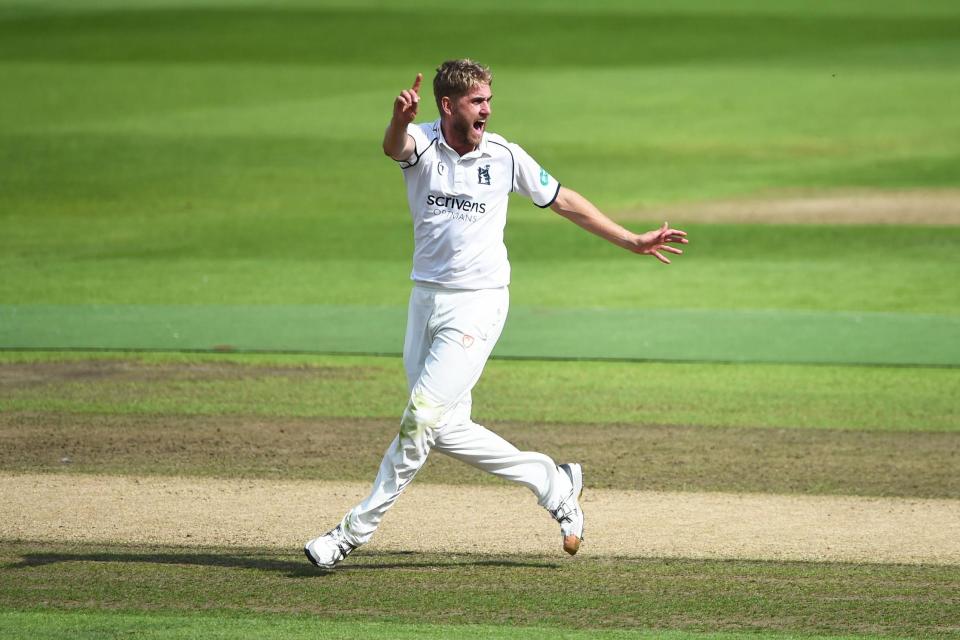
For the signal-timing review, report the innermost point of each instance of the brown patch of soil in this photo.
(31, 374)
(432, 518)
(913, 207)
(646, 457)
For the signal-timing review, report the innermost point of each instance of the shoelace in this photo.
(563, 513)
(342, 545)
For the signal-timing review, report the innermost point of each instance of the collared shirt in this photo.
(459, 206)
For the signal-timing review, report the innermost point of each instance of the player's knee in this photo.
(419, 417)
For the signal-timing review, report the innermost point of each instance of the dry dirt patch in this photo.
(917, 206)
(495, 520)
(918, 464)
(32, 374)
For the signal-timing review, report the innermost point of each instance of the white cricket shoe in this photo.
(568, 513)
(329, 549)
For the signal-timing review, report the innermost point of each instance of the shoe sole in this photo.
(571, 543)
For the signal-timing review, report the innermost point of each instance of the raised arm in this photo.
(574, 207)
(397, 143)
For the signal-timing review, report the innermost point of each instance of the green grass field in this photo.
(443, 592)
(155, 156)
(188, 178)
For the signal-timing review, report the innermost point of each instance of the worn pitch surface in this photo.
(219, 512)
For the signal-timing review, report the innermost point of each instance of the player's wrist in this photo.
(398, 124)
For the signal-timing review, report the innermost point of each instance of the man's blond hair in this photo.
(455, 78)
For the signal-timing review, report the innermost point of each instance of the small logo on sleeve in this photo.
(483, 174)
(544, 177)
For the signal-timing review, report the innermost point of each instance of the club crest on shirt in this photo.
(483, 174)
(467, 341)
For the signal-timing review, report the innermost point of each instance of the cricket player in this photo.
(458, 177)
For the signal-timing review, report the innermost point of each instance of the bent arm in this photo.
(574, 207)
(397, 143)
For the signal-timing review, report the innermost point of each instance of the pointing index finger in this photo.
(416, 83)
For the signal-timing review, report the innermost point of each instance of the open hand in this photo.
(653, 242)
(408, 102)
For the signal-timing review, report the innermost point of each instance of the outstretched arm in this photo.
(574, 207)
(397, 143)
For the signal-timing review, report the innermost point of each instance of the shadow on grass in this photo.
(294, 569)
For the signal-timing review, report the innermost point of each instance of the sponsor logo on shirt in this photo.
(455, 208)
(544, 177)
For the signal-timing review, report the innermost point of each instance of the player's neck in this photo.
(455, 141)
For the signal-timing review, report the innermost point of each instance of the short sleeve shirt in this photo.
(459, 206)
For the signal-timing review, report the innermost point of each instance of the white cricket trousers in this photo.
(450, 334)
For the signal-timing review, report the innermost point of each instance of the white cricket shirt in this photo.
(459, 206)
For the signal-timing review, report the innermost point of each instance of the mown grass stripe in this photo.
(507, 590)
(89, 625)
(622, 334)
(709, 395)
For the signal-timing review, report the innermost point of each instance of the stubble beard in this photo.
(464, 131)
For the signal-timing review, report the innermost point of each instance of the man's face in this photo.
(469, 114)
